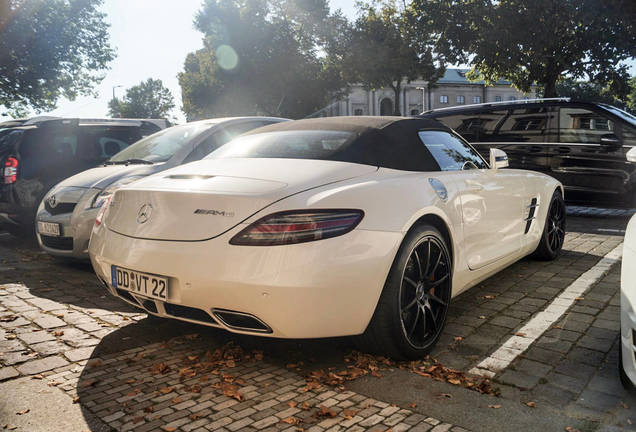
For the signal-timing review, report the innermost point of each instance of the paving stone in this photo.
(41, 365)
(79, 354)
(49, 321)
(8, 372)
(518, 379)
(49, 348)
(36, 337)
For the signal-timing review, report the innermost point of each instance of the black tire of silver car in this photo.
(625, 381)
(553, 231)
(412, 308)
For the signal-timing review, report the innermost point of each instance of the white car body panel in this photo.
(321, 288)
(628, 302)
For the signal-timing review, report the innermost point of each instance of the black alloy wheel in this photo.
(411, 311)
(553, 235)
(425, 292)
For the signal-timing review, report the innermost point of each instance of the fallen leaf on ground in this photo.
(348, 414)
(160, 368)
(231, 390)
(38, 376)
(24, 411)
(571, 429)
(446, 395)
(531, 404)
(177, 400)
(520, 334)
(76, 399)
(149, 409)
(291, 420)
(8, 318)
(482, 317)
(165, 390)
(195, 416)
(413, 405)
(59, 333)
(325, 412)
(459, 339)
(489, 297)
(90, 383)
(94, 363)
(11, 337)
(494, 406)
(291, 404)
(169, 428)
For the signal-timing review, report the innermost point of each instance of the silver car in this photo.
(66, 215)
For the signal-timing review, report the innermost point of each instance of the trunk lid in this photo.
(204, 199)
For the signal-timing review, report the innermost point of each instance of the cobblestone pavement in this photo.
(128, 371)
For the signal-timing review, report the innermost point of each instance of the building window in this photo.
(358, 112)
(476, 99)
(443, 99)
(497, 98)
(512, 98)
(461, 100)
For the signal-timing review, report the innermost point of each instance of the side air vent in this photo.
(532, 208)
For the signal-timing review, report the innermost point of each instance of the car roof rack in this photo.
(510, 102)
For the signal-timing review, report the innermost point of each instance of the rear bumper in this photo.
(318, 289)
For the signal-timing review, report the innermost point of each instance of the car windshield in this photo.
(161, 146)
(297, 144)
(620, 113)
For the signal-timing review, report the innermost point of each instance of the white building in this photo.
(417, 96)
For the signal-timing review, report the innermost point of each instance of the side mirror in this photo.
(610, 140)
(631, 155)
(498, 159)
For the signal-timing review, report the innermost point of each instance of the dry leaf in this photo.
(348, 414)
(520, 334)
(291, 420)
(59, 333)
(459, 339)
(494, 406)
(571, 429)
(230, 363)
(454, 381)
(482, 317)
(291, 404)
(165, 390)
(413, 405)
(177, 400)
(24, 411)
(446, 395)
(195, 416)
(169, 428)
(531, 404)
(76, 399)
(90, 383)
(149, 409)
(579, 298)
(38, 376)
(489, 297)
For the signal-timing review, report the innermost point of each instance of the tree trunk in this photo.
(396, 90)
(549, 85)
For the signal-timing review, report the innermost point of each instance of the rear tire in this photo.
(412, 308)
(627, 383)
(553, 235)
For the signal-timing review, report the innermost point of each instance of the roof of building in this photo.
(458, 76)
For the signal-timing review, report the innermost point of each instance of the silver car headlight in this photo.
(100, 198)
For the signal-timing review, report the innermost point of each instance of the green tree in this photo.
(49, 49)
(260, 56)
(148, 99)
(542, 41)
(384, 50)
(631, 97)
(589, 91)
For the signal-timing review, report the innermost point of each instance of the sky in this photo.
(152, 39)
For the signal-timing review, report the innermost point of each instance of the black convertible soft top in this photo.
(390, 142)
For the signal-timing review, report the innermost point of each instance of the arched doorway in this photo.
(386, 107)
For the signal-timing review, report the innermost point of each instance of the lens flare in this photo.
(226, 57)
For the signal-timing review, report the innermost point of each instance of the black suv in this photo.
(38, 153)
(584, 145)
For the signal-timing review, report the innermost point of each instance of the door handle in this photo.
(473, 185)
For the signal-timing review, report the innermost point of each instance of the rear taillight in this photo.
(298, 226)
(10, 170)
(102, 211)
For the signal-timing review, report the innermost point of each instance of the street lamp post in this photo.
(114, 87)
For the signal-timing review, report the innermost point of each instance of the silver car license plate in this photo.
(49, 228)
(143, 284)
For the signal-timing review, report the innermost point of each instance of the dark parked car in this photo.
(38, 153)
(584, 145)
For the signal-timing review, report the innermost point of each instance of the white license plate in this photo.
(49, 228)
(144, 284)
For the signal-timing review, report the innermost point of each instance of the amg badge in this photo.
(214, 212)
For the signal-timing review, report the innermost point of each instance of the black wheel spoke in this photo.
(439, 257)
(433, 317)
(417, 315)
(428, 256)
(410, 305)
(438, 281)
(410, 281)
(419, 264)
(437, 299)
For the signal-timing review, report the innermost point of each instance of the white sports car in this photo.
(326, 227)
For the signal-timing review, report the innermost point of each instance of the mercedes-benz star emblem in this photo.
(52, 201)
(144, 213)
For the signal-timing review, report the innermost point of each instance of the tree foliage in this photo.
(261, 56)
(528, 41)
(589, 91)
(148, 99)
(49, 49)
(384, 50)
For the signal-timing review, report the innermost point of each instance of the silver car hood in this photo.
(103, 176)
